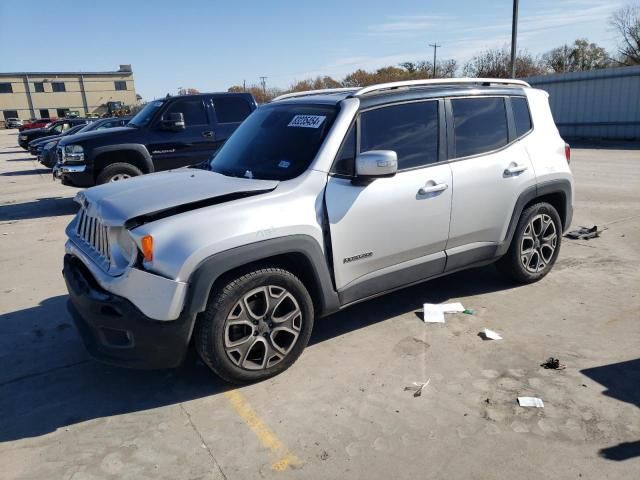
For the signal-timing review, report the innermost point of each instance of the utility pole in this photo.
(514, 38)
(263, 81)
(244, 85)
(435, 56)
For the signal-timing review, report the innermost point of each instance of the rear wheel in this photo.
(255, 326)
(116, 172)
(535, 244)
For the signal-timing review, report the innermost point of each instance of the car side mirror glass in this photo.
(376, 164)
(174, 122)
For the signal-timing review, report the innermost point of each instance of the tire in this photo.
(535, 244)
(116, 172)
(239, 337)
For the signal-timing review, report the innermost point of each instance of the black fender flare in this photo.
(209, 270)
(135, 147)
(561, 186)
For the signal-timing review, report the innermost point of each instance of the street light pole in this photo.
(514, 38)
(435, 56)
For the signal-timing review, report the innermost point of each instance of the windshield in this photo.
(144, 116)
(76, 129)
(276, 142)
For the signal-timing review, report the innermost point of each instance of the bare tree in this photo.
(496, 63)
(626, 21)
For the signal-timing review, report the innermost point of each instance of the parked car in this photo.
(35, 146)
(169, 133)
(318, 201)
(36, 123)
(55, 128)
(47, 155)
(13, 123)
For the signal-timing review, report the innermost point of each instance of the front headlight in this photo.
(73, 153)
(23, 137)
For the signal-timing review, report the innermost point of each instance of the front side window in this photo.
(276, 142)
(409, 129)
(192, 110)
(58, 87)
(231, 109)
(38, 87)
(144, 116)
(6, 88)
(345, 161)
(120, 85)
(521, 115)
(480, 125)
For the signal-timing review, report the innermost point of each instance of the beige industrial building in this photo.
(59, 94)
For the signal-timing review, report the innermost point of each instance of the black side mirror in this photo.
(174, 123)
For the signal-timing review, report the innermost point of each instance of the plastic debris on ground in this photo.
(417, 387)
(490, 335)
(434, 313)
(553, 364)
(585, 233)
(530, 402)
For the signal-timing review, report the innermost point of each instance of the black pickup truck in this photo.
(169, 133)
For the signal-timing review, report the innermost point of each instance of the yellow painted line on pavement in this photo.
(268, 439)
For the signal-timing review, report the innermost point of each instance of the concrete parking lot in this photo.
(341, 411)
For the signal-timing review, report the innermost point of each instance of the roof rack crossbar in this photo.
(439, 81)
(314, 92)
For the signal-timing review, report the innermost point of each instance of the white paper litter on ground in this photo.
(445, 307)
(491, 335)
(530, 402)
(432, 316)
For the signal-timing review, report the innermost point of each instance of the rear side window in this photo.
(231, 110)
(521, 115)
(410, 129)
(191, 108)
(480, 125)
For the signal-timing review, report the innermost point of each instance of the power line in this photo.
(435, 56)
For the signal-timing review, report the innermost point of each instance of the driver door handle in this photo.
(514, 169)
(438, 187)
(207, 134)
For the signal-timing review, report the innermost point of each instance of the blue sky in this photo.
(210, 45)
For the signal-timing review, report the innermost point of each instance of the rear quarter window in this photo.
(521, 115)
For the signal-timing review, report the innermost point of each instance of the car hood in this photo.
(43, 140)
(153, 196)
(92, 134)
(34, 132)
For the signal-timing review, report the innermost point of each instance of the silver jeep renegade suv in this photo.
(319, 200)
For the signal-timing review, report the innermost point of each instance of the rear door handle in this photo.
(433, 188)
(514, 169)
(207, 134)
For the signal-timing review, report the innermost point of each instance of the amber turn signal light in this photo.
(147, 247)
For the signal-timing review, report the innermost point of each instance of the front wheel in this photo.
(255, 326)
(116, 172)
(535, 244)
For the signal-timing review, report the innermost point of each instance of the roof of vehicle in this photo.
(410, 90)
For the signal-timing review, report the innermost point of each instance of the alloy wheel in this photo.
(262, 327)
(539, 242)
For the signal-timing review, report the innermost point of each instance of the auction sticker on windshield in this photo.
(307, 121)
